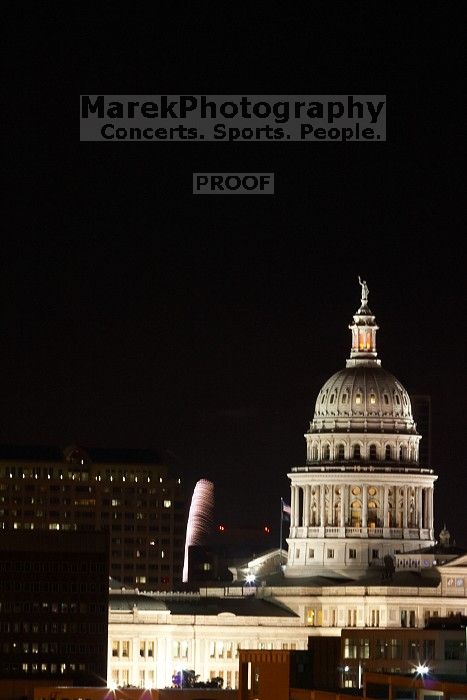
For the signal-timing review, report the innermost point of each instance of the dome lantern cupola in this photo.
(363, 333)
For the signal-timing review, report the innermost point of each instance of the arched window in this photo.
(387, 454)
(372, 515)
(401, 453)
(356, 451)
(356, 513)
(386, 399)
(341, 451)
(326, 452)
(314, 453)
(373, 454)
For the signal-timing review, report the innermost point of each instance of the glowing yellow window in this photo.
(358, 398)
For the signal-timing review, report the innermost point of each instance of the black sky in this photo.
(135, 314)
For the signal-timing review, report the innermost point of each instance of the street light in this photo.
(422, 669)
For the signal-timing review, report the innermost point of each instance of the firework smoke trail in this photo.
(199, 518)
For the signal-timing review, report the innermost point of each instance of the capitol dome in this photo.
(363, 393)
(363, 410)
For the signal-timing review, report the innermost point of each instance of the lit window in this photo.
(330, 554)
(167, 504)
(372, 398)
(358, 398)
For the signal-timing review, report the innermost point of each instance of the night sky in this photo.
(135, 314)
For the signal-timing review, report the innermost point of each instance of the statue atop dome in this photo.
(365, 291)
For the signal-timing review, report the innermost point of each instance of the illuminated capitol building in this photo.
(361, 548)
(362, 493)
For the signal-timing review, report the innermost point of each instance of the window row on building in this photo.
(59, 472)
(375, 616)
(60, 567)
(26, 627)
(50, 648)
(358, 450)
(47, 668)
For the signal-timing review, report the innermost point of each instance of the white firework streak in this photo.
(199, 518)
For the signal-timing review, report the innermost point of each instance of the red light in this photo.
(221, 528)
(266, 529)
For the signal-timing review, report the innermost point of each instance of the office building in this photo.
(127, 494)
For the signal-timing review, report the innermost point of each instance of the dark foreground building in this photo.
(126, 493)
(54, 592)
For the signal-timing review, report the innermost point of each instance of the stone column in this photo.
(404, 516)
(292, 506)
(295, 501)
(430, 507)
(425, 506)
(385, 506)
(419, 508)
(306, 505)
(135, 659)
(321, 505)
(342, 509)
(364, 506)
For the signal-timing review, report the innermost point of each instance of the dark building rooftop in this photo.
(99, 455)
(200, 605)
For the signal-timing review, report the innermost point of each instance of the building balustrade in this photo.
(353, 531)
(313, 531)
(411, 534)
(375, 532)
(395, 532)
(332, 531)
